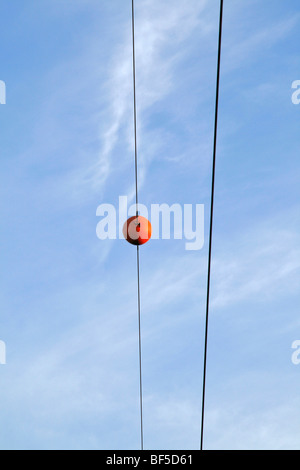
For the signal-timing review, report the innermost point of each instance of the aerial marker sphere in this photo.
(137, 230)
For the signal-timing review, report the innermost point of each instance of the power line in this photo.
(140, 347)
(211, 219)
(134, 110)
(137, 213)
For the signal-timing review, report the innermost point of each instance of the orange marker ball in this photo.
(137, 230)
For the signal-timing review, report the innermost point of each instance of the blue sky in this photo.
(68, 300)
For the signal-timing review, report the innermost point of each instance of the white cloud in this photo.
(264, 265)
(240, 427)
(160, 32)
(252, 43)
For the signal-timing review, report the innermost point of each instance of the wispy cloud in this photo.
(263, 265)
(274, 427)
(253, 43)
(160, 32)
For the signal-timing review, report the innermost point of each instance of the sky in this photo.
(69, 300)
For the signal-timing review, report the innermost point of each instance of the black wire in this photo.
(211, 220)
(134, 111)
(140, 347)
(138, 252)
